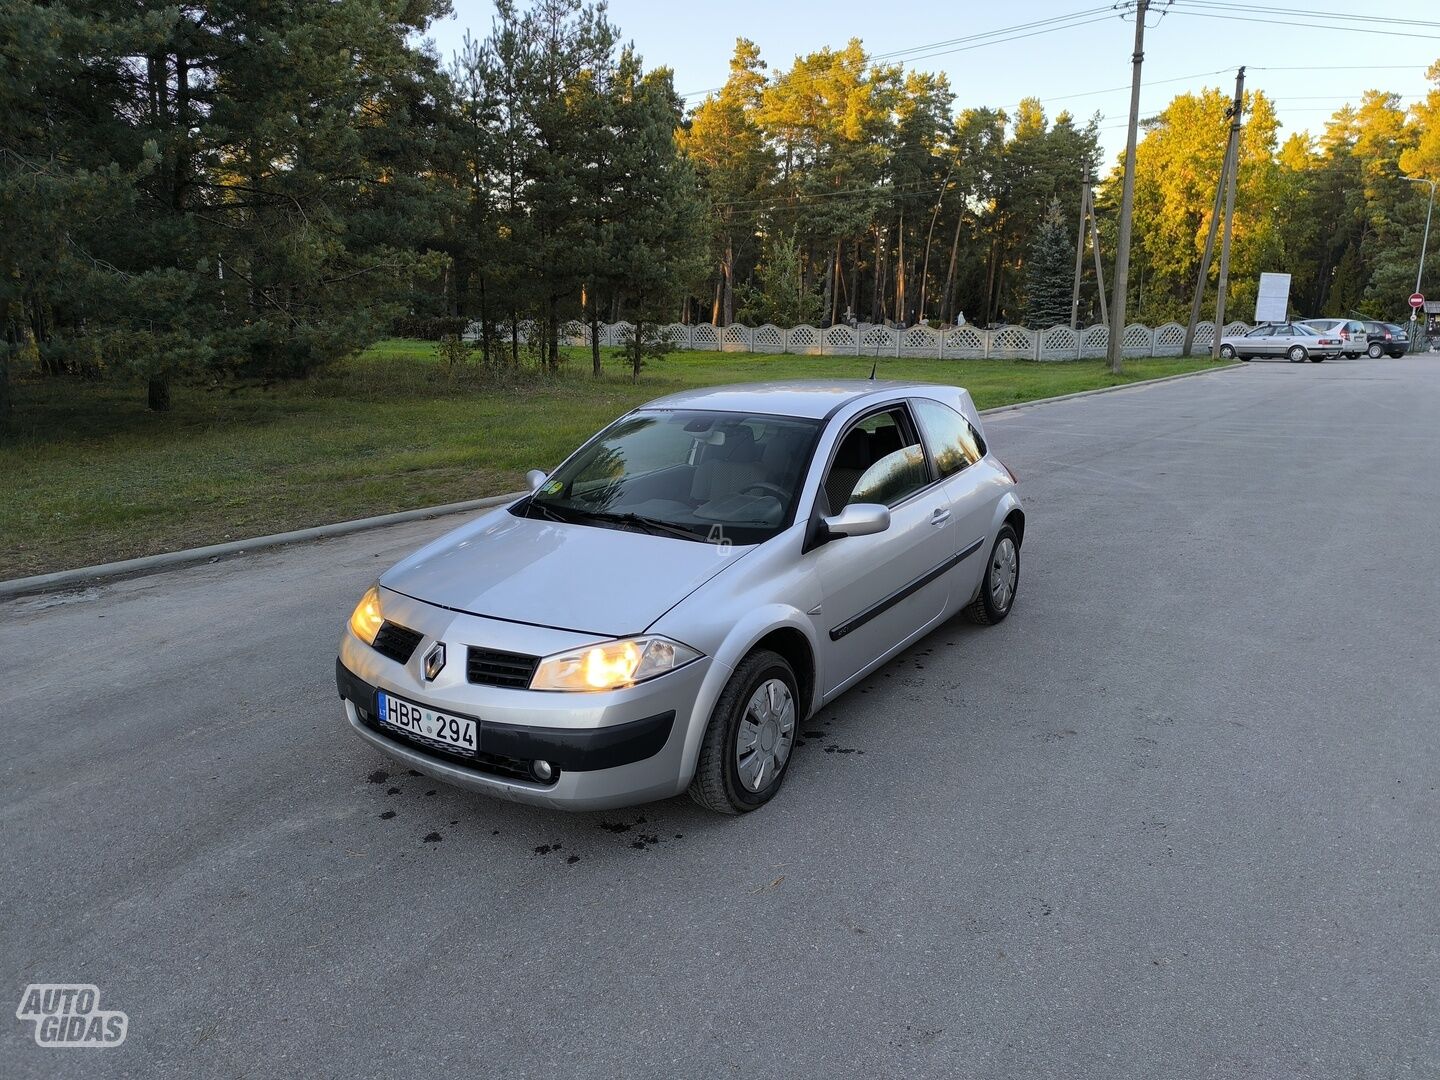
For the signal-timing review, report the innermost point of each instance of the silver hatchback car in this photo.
(665, 609)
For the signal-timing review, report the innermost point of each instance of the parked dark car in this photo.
(1386, 339)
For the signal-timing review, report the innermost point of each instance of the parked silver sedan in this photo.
(1297, 342)
(665, 609)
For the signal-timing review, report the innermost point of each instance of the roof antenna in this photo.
(872, 370)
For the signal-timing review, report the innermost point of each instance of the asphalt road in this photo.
(1178, 817)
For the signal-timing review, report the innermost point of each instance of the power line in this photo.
(1232, 5)
(1311, 25)
(976, 41)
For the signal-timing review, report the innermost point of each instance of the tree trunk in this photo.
(727, 268)
(990, 281)
(158, 394)
(594, 336)
(635, 348)
(900, 272)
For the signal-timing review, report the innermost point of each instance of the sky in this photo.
(1082, 68)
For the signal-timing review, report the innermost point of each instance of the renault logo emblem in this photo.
(434, 661)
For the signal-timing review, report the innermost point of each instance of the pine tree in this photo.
(659, 240)
(780, 295)
(1049, 272)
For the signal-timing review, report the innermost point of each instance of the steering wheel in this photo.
(768, 488)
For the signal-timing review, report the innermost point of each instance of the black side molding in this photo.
(857, 621)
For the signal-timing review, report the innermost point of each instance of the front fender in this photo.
(753, 626)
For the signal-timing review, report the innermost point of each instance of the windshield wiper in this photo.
(653, 525)
(545, 511)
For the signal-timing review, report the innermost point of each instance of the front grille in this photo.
(397, 642)
(492, 668)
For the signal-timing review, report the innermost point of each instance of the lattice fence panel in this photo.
(679, 335)
(1204, 335)
(920, 341)
(965, 343)
(1059, 343)
(1169, 339)
(768, 338)
(704, 336)
(735, 338)
(1137, 340)
(1012, 343)
(803, 339)
(1095, 340)
(1236, 328)
(878, 341)
(837, 340)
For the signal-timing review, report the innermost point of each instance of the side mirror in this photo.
(858, 519)
(534, 478)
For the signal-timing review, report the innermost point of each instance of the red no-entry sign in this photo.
(1417, 301)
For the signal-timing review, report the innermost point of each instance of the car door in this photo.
(1256, 342)
(1286, 336)
(970, 483)
(876, 592)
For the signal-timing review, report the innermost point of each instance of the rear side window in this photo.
(953, 443)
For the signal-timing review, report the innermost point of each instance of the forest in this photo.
(247, 192)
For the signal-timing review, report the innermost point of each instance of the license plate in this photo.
(440, 727)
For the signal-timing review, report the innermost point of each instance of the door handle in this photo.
(939, 516)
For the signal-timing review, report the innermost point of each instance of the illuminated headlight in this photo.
(611, 665)
(365, 620)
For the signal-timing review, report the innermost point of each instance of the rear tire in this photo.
(1297, 354)
(1001, 581)
(726, 775)
(1317, 359)
(1375, 351)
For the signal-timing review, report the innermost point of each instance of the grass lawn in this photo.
(87, 475)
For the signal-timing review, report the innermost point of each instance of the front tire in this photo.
(1001, 580)
(1375, 351)
(1227, 352)
(747, 747)
(1297, 354)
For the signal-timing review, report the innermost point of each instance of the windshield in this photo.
(722, 477)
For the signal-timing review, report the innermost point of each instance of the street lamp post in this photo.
(1424, 242)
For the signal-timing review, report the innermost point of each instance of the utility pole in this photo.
(1127, 194)
(1080, 248)
(1424, 243)
(1236, 116)
(1227, 163)
(1099, 273)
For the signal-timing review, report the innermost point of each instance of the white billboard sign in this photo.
(1272, 302)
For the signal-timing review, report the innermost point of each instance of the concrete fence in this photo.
(956, 343)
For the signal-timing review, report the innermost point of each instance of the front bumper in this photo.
(597, 767)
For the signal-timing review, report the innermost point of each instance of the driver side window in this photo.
(878, 460)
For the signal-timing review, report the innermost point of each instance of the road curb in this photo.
(149, 564)
(1236, 366)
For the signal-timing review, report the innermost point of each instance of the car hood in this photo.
(572, 577)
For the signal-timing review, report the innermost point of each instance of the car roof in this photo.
(805, 398)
